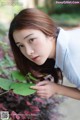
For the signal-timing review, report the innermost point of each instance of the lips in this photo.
(35, 58)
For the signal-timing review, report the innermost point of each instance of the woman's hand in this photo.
(45, 89)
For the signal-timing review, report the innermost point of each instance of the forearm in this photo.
(69, 92)
(46, 89)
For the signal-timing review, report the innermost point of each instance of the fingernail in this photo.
(31, 86)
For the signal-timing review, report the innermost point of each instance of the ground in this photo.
(70, 108)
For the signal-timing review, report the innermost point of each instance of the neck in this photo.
(53, 51)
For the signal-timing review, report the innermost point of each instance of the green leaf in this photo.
(22, 88)
(10, 62)
(17, 76)
(31, 77)
(5, 83)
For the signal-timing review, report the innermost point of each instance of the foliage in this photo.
(67, 8)
(71, 20)
(18, 87)
(30, 107)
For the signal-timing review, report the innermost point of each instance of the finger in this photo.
(40, 92)
(38, 88)
(34, 87)
(41, 95)
(42, 83)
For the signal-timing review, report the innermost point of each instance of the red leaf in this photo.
(34, 109)
(15, 115)
(2, 107)
(39, 100)
(28, 103)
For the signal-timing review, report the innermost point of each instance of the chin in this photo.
(40, 63)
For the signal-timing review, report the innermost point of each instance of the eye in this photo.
(20, 46)
(31, 40)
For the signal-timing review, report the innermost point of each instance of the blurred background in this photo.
(65, 15)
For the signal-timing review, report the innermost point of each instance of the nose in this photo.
(29, 50)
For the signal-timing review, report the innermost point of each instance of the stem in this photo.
(4, 93)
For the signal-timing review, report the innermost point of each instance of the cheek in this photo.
(39, 49)
(23, 51)
(37, 46)
(40, 45)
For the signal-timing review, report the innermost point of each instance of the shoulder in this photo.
(69, 39)
(74, 35)
(74, 42)
(62, 38)
(61, 47)
(74, 30)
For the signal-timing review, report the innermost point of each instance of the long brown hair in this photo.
(32, 18)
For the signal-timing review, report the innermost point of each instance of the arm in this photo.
(69, 92)
(46, 89)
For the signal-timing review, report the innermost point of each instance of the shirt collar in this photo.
(61, 47)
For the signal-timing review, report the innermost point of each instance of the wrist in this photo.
(59, 89)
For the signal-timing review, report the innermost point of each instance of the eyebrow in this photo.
(25, 37)
(28, 36)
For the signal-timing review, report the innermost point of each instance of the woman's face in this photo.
(35, 45)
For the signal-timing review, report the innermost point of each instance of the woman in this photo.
(36, 42)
